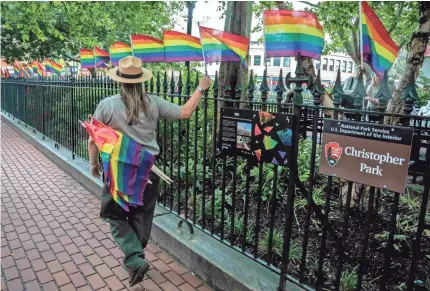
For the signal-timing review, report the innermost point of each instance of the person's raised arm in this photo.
(190, 106)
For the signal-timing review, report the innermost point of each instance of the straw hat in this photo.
(130, 71)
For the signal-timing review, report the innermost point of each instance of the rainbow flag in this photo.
(379, 50)
(25, 72)
(87, 59)
(118, 51)
(53, 67)
(289, 33)
(147, 48)
(220, 46)
(180, 47)
(126, 164)
(16, 70)
(39, 69)
(34, 66)
(101, 57)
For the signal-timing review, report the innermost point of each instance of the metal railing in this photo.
(330, 234)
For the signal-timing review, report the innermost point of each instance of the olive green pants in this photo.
(131, 230)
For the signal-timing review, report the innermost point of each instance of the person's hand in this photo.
(95, 170)
(205, 82)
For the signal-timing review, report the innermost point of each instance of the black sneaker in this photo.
(137, 276)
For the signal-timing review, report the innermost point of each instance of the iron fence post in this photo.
(72, 112)
(280, 89)
(409, 96)
(264, 89)
(384, 94)
(250, 92)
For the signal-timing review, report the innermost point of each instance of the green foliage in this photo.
(348, 279)
(36, 30)
(423, 90)
(277, 242)
(304, 157)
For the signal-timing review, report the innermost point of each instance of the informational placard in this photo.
(258, 135)
(367, 153)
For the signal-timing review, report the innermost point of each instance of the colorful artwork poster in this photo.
(259, 136)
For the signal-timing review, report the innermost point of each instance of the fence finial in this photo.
(280, 87)
(180, 83)
(196, 83)
(215, 85)
(337, 91)
(172, 84)
(188, 84)
(384, 93)
(316, 89)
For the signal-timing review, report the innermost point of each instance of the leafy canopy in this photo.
(34, 30)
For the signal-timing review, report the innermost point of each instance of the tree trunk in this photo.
(414, 60)
(238, 18)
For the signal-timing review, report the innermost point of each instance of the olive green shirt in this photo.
(111, 111)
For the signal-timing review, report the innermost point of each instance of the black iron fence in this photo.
(328, 234)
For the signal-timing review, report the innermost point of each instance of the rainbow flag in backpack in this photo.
(379, 50)
(126, 164)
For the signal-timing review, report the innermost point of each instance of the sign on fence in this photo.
(370, 154)
(259, 136)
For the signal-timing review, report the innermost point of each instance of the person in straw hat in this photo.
(134, 114)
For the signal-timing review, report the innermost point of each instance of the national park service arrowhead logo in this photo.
(333, 153)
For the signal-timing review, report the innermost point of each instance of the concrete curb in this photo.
(222, 267)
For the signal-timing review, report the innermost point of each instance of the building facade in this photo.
(329, 65)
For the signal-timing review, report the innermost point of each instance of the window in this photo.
(268, 61)
(337, 65)
(317, 65)
(277, 62)
(331, 66)
(287, 62)
(349, 67)
(257, 60)
(217, 63)
(324, 65)
(344, 66)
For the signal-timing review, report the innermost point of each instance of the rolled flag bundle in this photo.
(126, 164)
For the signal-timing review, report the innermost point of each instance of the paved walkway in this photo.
(52, 237)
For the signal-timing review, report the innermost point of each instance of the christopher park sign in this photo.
(367, 153)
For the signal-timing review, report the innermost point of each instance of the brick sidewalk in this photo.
(52, 237)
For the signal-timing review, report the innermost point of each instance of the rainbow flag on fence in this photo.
(53, 67)
(25, 72)
(379, 50)
(39, 68)
(180, 47)
(147, 48)
(220, 46)
(118, 51)
(289, 33)
(34, 66)
(126, 164)
(87, 59)
(101, 57)
(16, 70)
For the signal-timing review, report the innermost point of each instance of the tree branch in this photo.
(71, 58)
(311, 4)
(398, 13)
